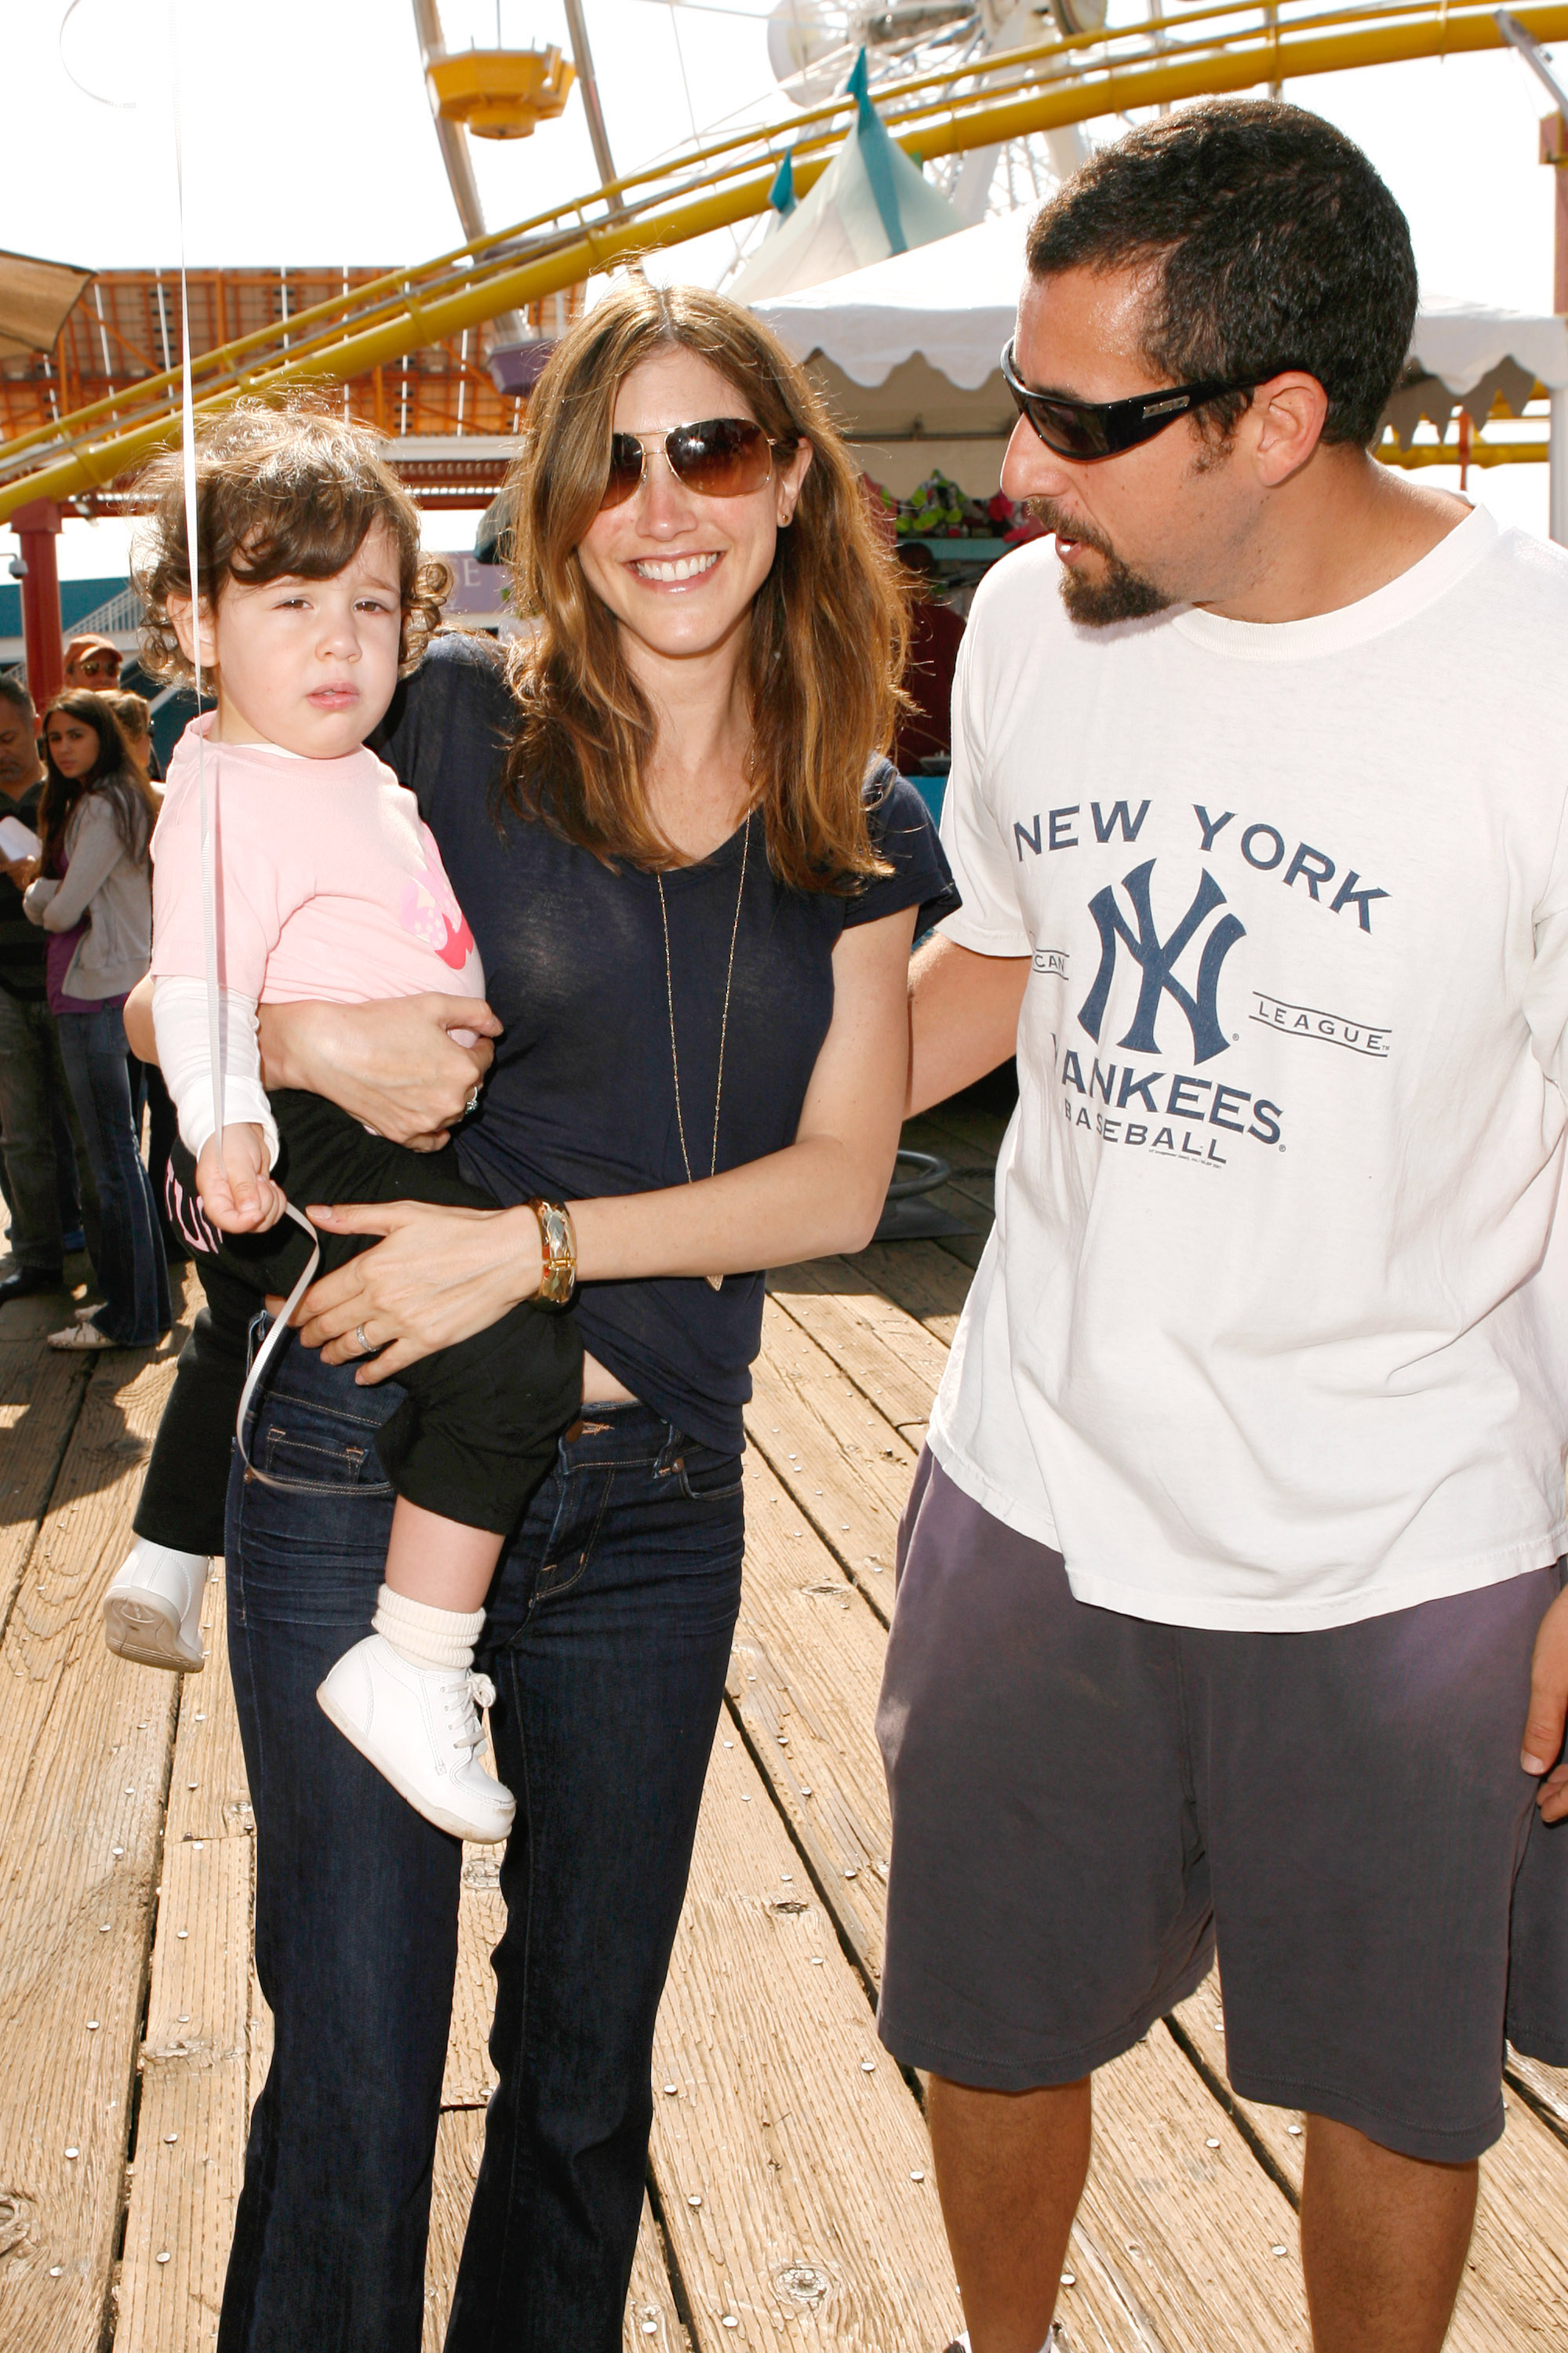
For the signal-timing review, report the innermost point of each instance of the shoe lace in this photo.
(463, 1701)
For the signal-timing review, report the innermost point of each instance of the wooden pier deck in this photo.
(792, 2201)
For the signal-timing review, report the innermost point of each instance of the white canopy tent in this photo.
(908, 351)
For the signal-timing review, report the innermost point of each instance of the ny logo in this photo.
(1158, 959)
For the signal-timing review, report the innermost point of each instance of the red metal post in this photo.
(38, 525)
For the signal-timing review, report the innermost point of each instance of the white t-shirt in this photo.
(1272, 1332)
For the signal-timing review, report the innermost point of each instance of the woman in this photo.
(134, 715)
(695, 916)
(93, 897)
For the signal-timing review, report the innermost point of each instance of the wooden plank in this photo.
(1546, 2088)
(481, 1915)
(1198, 2026)
(1515, 2281)
(926, 1283)
(852, 1489)
(460, 2145)
(804, 1678)
(791, 2163)
(896, 1363)
(651, 2324)
(45, 1310)
(191, 2126)
(652, 2321)
(209, 1797)
(42, 1392)
(806, 1668)
(259, 2040)
(85, 1743)
(1198, 2245)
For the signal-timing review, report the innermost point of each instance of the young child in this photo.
(313, 598)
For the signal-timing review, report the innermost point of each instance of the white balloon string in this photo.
(273, 1340)
(193, 555)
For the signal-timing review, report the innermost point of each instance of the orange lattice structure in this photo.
(126, 328)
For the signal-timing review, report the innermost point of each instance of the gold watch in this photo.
(560, 1246)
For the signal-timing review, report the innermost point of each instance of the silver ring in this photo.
(364, 1343)
(472, 1103)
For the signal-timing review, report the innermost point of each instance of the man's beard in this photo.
(1121, 594)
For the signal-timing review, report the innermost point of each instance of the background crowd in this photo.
(86, 1128)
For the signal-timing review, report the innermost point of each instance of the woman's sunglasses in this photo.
(1104, 428)
(723, 458)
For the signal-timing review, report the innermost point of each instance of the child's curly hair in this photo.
(282, 492)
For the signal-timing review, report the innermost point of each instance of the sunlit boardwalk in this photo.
(791, 2202)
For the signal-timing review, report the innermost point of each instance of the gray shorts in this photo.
(1084, 1804)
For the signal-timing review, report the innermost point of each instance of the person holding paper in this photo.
(33, 1087)
(93, 901)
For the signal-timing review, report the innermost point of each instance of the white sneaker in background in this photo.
(420, 1727)
(151, 1612)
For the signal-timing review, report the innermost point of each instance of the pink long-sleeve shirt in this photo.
(329, 882)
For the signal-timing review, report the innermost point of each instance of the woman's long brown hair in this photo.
(114, 774)
(828, 627)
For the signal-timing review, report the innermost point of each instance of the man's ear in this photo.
(179, 612)
(1285, 425)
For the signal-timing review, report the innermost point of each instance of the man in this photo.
(35, 1099)
(93, 662)
(1244, 1502)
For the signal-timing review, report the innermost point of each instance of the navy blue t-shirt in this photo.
(580, 1101)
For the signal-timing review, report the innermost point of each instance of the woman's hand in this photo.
(393, 1065)
(439, 1276)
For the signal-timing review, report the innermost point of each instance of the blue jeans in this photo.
(609, 1633)
(41, 1138)
(130, 1257)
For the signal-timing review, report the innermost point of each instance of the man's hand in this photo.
(1549, 1712)
(236, 1190)
(20, 871)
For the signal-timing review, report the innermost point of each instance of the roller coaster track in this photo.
(1228, 46)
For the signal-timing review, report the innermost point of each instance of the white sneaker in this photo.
(78, 1338)
(151, 1612)
(420, 1727)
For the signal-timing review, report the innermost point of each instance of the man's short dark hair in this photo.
(14, 689)
(1271, 242)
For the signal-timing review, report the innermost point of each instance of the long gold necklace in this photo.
(714, 1281)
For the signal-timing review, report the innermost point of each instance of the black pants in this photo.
(477, 1428)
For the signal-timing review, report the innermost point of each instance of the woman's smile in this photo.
(675, 571)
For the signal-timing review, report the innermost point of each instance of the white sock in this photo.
(425, 1636)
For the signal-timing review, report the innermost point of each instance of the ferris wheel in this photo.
(812, 45)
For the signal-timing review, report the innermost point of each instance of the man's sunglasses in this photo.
(1104, 428)
(723, 458)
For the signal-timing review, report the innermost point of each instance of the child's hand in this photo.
(236, 1190)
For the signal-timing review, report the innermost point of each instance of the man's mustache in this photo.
(1052, 517)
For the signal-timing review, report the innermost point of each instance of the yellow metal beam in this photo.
(1059, 82)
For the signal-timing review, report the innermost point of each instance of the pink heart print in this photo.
(429, 910)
